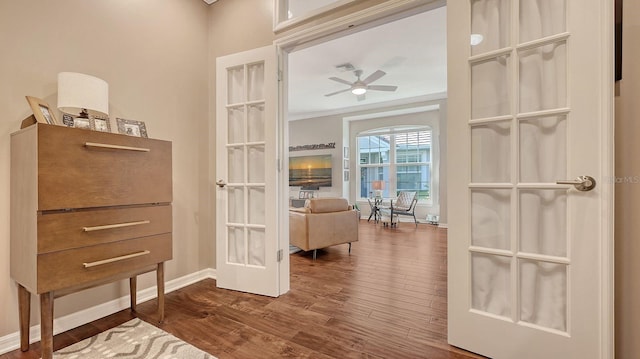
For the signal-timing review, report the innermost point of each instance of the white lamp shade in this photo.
(79, 91)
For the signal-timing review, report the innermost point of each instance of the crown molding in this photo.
(385, 106)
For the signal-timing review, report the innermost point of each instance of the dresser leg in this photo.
(24, 312)
(160, 284)
(46, 325)
(133, 292)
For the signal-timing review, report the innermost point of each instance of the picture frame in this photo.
(346, 176)
(304, 194)
(42, 112)
(100, 124)
(345, 152)
(67, 120)
(345, 164)
(76, 122)
(131, 127)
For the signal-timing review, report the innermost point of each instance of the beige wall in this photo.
(321, 130)
(153, 54)
(627, 226)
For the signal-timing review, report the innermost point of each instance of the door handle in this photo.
(581, 183)
(221, 183)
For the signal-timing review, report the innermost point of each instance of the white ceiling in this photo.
(412, 51)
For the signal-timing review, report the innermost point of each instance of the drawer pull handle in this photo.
(116, 147)
(115, 259)
(111, 226)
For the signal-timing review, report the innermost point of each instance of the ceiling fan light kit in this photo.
(360, 87)
(359, 90)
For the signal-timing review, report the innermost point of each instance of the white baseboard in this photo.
(12, 341)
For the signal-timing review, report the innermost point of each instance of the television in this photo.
(310, 171)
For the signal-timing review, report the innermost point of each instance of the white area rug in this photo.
(133, 339)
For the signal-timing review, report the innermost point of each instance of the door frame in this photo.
(392, 10)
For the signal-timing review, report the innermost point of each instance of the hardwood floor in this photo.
(388, 299)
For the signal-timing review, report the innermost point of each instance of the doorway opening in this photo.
(403, 64)
(324, 108)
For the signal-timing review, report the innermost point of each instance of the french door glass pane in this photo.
(255, 73)
(543, 293)
(491, 218)
(491, 284)
(541, 18)
(543, 77)
(236, 125)
(235, 245)
(256, 165)
(491, 152)
(490, 86)
(235, 85)
(235, 164)
(543, 222)
(255, 123)
(236, 204)
(257, 205)
(490, 20)
(257, 252)
(543, 149)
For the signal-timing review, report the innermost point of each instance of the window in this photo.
(400, 157)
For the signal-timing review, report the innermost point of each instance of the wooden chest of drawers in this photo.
(87, 208)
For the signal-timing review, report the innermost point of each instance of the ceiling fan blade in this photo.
(337, 79)
(374, 76)
(382, 87)
(337, 92)
(362, 97)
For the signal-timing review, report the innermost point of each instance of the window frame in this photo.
(392, 164)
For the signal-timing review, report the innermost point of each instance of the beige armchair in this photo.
(321, 223)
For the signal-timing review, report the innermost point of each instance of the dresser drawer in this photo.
(81, 266)
(83, 169)
(66, 230)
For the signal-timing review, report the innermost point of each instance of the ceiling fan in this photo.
(360, 87)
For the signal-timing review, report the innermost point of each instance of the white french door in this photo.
(247, 172)
(530, 104)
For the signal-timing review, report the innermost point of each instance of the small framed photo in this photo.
(346, 164)
(346, 176)
(41, 111)
(131, 127)
(76, 122)
(345, 152)
(101, 124)
(303, 194)
(67, 120)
